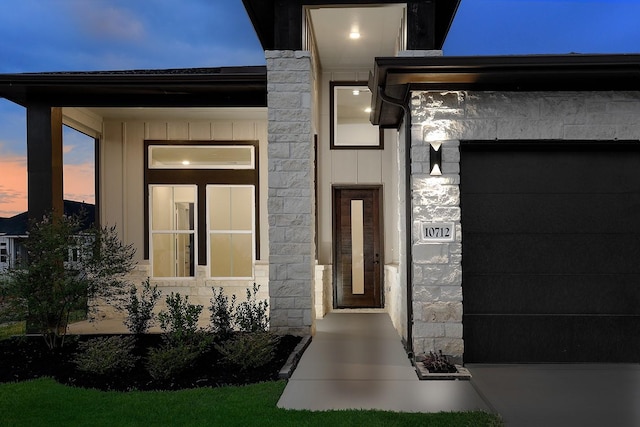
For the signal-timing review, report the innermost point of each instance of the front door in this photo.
(357, 262)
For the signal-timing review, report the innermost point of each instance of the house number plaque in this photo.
(438, 231)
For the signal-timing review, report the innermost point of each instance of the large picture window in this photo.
(202, 209)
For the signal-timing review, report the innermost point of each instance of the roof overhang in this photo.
(191, 87)
(394, 78)
(278, 24)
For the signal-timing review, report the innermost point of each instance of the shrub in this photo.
(249, 350)
(222, 313)
(140, 315)
(438, 363)
(180, 322)
(65, 269)
(170, 360)
(251, 315)
(106, 355)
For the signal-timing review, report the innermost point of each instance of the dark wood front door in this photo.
(357, 250)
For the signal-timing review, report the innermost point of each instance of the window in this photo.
(231, 220)
(201, 207)
(350, 124)
(201, 157)
(173, 230)
(4, 255)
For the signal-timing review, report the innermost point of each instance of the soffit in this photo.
(379, 27)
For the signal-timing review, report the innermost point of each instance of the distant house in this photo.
(489, 205)
(13, 230)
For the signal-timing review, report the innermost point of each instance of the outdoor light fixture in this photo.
(435, 158)
(354, 35)
(356, 92)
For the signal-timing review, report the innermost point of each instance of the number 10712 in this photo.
(440, 232)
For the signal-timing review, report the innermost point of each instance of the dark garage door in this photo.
(551, 251)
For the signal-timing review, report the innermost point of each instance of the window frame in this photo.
(333, 86)
(250, 166)
(201, 178)
(193, 232)
(251, 232)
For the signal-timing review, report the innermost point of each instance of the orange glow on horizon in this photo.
(78, 184)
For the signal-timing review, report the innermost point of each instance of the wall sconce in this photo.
(435, 158)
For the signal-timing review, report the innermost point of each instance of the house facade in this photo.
(487, 204)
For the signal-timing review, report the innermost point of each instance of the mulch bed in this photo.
(24, 358)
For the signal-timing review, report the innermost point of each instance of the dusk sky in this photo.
(85, 35)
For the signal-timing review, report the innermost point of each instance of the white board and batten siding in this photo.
(122, 166)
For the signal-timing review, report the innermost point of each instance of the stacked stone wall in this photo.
(291, 197)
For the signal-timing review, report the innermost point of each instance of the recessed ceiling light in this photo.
(354, 35)
(356, 92)
(186, 162)
(367, 110)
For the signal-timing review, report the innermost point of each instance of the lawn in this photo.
(45, 402)
(12, 328)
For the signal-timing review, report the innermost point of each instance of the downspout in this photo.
(404, 104)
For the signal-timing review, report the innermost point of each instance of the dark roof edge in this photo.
(451, 12)
(225, 86)
(573, 72)
(260, 19)
(173, 74)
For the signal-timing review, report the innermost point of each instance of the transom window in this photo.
(201, 157)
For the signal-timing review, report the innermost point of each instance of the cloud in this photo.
(104, 21)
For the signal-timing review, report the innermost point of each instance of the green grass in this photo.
(44, 402)
(7, 330)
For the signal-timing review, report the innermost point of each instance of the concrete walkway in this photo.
(356, 361)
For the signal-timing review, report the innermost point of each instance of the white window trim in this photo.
(252, 232)
(194, 232)
(251, 148)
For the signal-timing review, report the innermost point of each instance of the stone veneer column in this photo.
(291, 196)
(437, 269)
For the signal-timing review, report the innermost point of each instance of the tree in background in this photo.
(65, 268)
